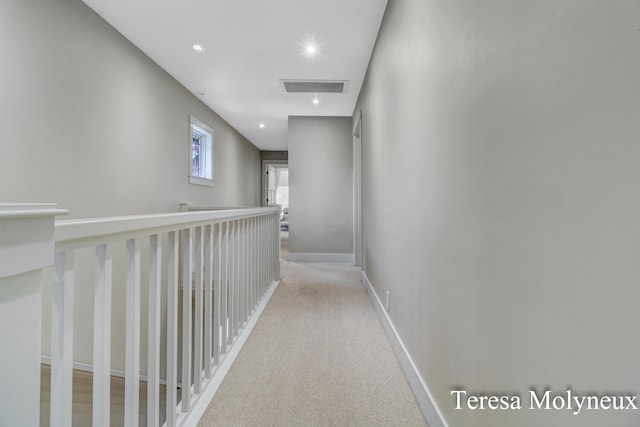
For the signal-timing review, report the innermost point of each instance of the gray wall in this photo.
(91, 123)
(274, 155)
(320, 185)
(508, 234)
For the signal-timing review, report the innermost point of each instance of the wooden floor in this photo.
(82, 394)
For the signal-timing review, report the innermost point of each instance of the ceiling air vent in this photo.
(314, 86)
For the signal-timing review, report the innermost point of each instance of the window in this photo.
(201, 153)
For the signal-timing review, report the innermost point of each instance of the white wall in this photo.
(508, 238)
(282, 190)
(320, 186)
(91, 123)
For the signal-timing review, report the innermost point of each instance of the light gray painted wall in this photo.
(91, 123)
(508, 235)
(274, 155)
(320, 185)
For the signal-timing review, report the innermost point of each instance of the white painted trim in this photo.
(357, 190)
(425, 400)
(210, 387)
(30, 210)
(69, 230)
(201, 181)
(320, 257)
(27, 241)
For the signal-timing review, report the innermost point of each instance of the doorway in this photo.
(275, 175)
(275, 192)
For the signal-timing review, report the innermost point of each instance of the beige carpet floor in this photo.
(318, 356)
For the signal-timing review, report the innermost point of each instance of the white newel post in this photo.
(26, 255)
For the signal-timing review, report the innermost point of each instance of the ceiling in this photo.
(250, 45)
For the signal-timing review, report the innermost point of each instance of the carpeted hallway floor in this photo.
(318, 356)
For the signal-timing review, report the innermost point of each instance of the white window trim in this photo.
(197, 179)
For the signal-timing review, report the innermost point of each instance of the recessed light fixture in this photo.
(311, 47)
(198, 48)
(316, 101)
(261, 125)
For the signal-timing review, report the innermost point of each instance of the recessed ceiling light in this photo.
(316, 101)
(198, 48)
(310, 50)
(261, 125)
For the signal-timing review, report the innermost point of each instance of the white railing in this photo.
(213, 269)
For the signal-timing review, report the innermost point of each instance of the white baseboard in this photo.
(320, 257)
(211, 386)
(430, 410)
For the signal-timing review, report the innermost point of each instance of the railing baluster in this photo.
(245, 281)
(153, 353)
(269, 262)
(217, 268)
(172, 329)
(278, 243)
(275, 249)
(258, 260)
(208, 298)
(224, 286)
(238, 323)
(251, 244)
(229, 261)
(272, 249)
(102, 337)
(197, 315)
(262, 256)
(236, 275)
(240, 268)
(276, 246)
(132, 349)
(254, 263)
(269, 248)
(247, 266)
(262, 239)
(247, 269)
(238, 284)
(62, 340)
(187, 257)
(231, 280)
(252, 291)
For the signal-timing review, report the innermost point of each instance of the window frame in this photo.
(209, 133)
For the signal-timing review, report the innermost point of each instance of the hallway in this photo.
(317, 356)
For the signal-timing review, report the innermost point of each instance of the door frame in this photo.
(265, 181)
(358, 240)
